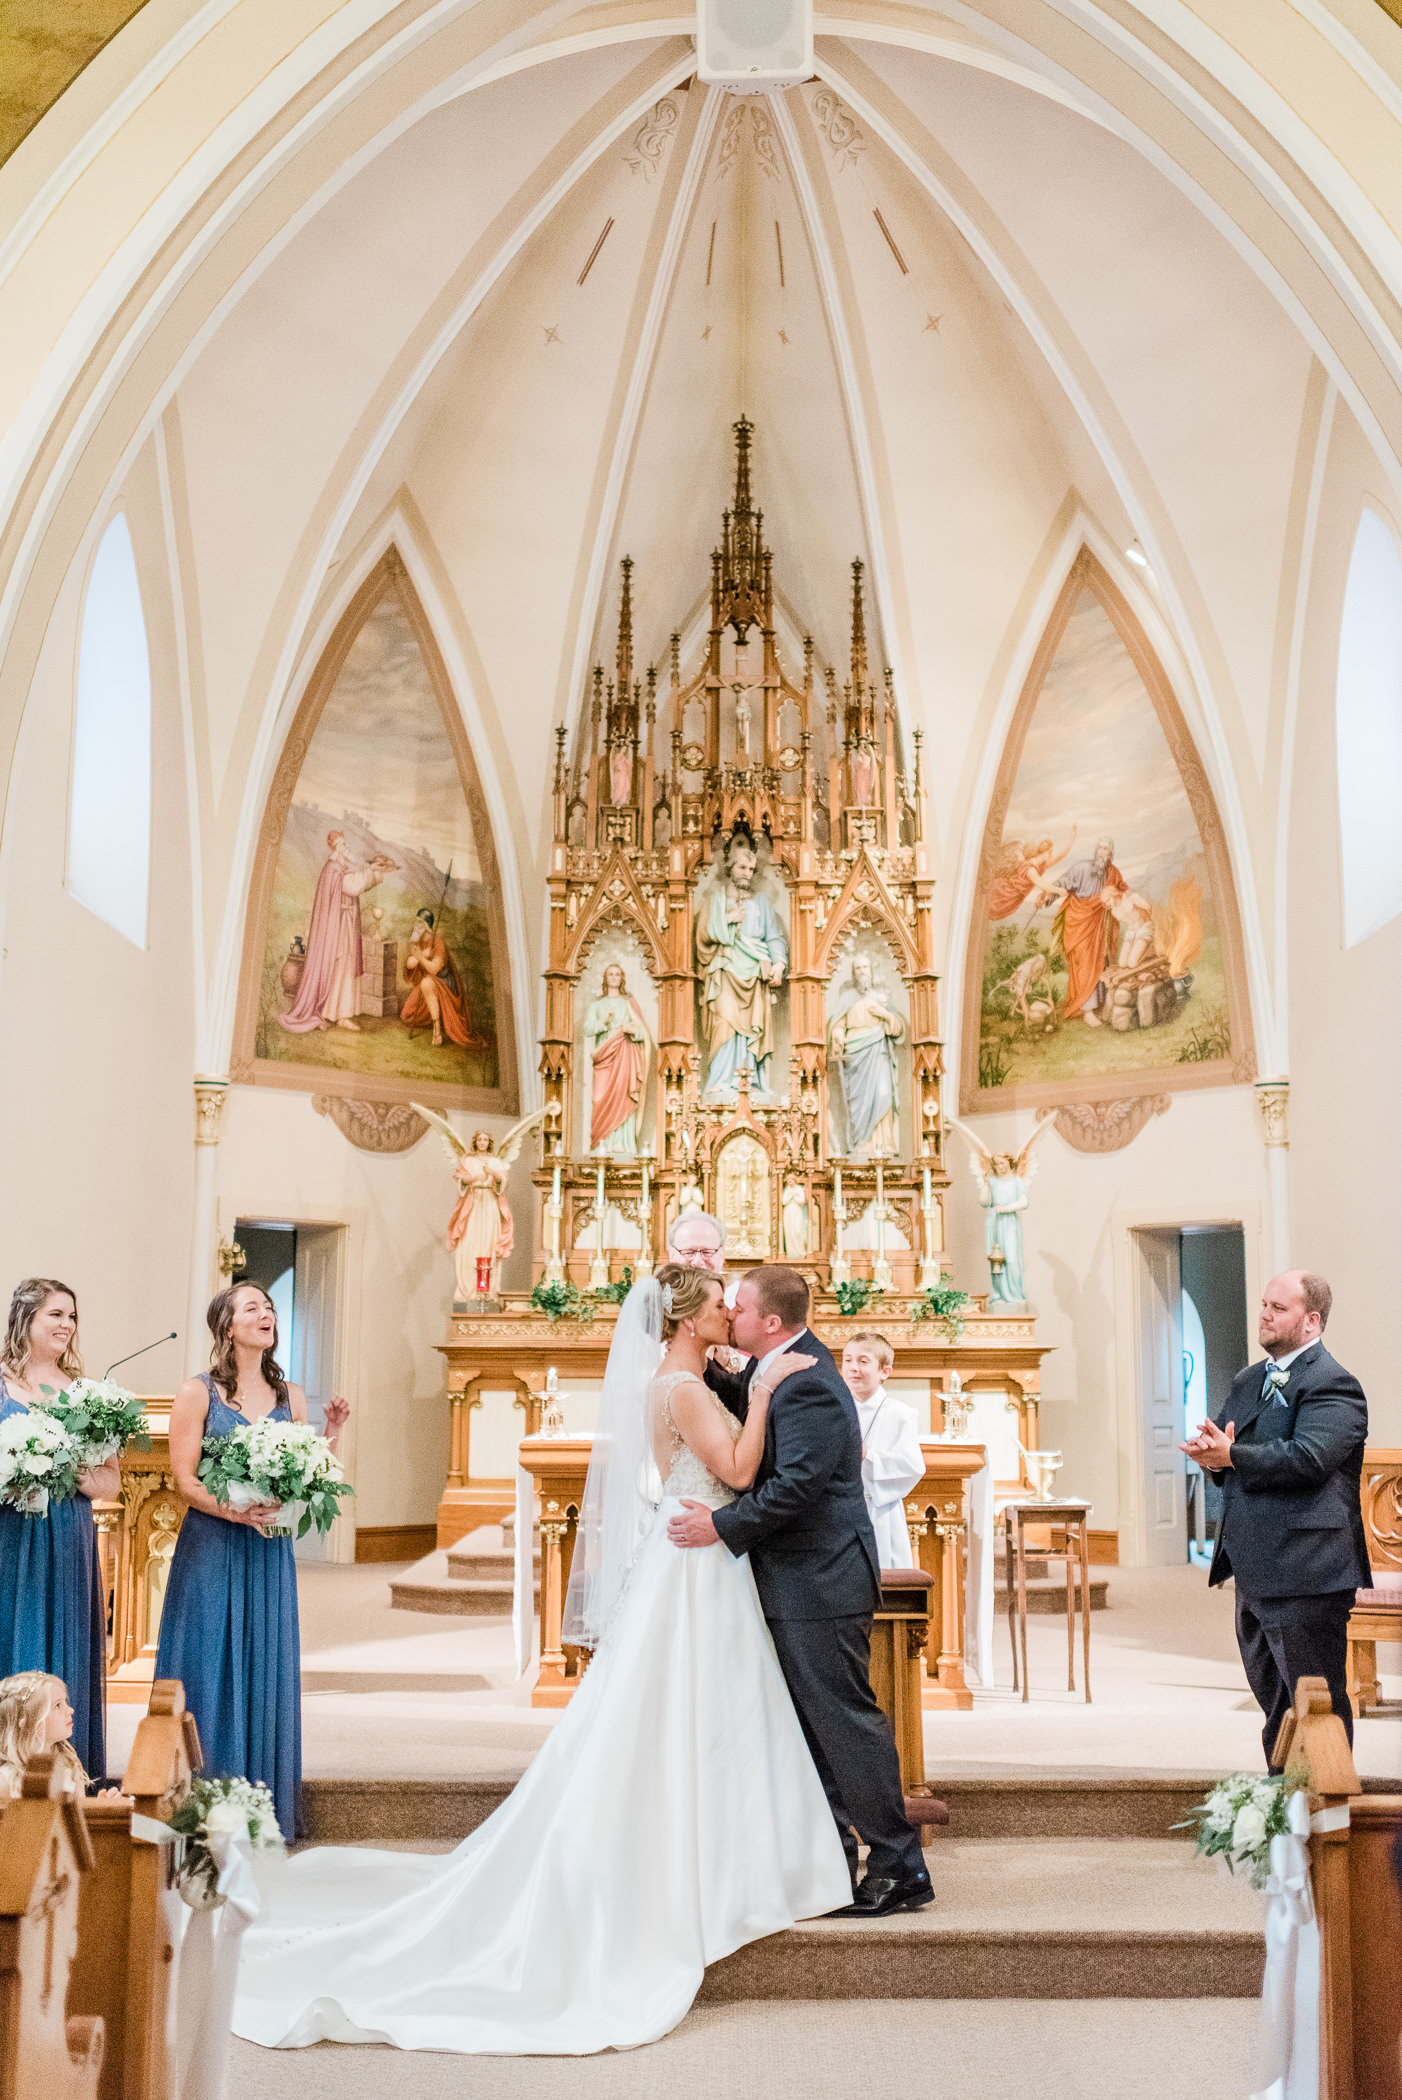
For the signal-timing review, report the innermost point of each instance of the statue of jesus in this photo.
(743, 950)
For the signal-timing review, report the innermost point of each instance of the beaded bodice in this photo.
(686, 1475)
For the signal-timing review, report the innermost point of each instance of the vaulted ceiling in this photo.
(996, 280)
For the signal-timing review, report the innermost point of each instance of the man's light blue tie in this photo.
(1276, 1378)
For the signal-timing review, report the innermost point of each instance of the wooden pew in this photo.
(1354, 1873)
(46, 2051)
(129, 1922)
(1377, 1611)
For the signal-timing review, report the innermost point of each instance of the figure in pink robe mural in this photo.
(329, 993)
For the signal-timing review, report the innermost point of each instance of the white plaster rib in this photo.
(854, 408)
(194, 798)
(1279, 1058)
(602, 547)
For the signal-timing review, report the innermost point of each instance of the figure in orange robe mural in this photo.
(1086, 930)
(436, 998)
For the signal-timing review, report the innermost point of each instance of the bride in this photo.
(673, 1814)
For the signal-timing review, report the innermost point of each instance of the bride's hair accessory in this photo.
(667, 1299)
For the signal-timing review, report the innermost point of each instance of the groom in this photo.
(805, 1526)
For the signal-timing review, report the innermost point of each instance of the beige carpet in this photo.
(953, 2049)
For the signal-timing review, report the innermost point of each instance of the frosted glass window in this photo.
(109, 814)
(1369, 729)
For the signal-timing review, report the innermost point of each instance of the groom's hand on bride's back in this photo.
(695, 1528)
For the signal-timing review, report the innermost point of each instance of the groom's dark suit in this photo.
(1292, 1529)
(805, 1526)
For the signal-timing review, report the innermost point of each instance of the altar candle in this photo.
(555, 1188)
(837, 1189)
(599, 1208)
(880, 1215)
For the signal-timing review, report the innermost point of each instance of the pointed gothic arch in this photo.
(379, 723)
(1101, 987)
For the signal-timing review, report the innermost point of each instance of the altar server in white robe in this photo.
(892, 1461)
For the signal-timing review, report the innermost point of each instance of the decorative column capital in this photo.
(210, 1094)
(1272, 1103)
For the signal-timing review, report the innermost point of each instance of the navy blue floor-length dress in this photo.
(229, 1633)
(52, 1611)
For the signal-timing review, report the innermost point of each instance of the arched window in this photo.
(109, 811)
(1369, 731)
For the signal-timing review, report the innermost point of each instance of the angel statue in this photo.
(481, 1227)
(1003, 1179)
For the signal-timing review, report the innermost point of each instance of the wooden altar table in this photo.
(559, 1464)
(512, 1349)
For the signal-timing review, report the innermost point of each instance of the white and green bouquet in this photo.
(218, 1809)
(1241, 1815)
(101, 1418)
(282, 1462)
(39, 1463)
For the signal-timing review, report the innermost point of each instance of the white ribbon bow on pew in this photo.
(1289, 2036)
(209, 1973)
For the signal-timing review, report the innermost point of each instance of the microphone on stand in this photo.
(172, 1336)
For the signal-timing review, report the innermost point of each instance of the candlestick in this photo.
(645, 1221)
(599, 1266)
(881, 1268)
(554, 1211)
(839, 1268)
(929, 1260)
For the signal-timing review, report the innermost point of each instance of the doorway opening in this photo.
(1192, 1341)
(299, 1266)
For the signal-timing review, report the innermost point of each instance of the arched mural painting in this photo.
(374, 960)
(1105, 956)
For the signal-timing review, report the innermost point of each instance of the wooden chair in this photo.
(1354, 1873)
(1377, 1612)
(129, 1923)
(46, 2052)
(898, 1636)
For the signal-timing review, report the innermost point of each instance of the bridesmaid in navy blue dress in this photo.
(53, 1615)
(229, 1627)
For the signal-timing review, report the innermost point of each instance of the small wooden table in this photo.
(1072, 1520)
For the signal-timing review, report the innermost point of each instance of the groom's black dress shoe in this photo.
(882, 1895)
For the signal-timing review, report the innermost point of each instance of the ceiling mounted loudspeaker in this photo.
(751, 46)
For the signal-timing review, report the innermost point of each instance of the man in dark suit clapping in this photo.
(1287, 1452)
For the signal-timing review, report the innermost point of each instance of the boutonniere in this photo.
(1276, 1380)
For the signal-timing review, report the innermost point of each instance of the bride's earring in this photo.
(691, 1329)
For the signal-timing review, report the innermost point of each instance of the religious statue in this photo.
(743, 950)
(691, 1197)
(862, 1039)
(620, 1049)
(481, 1232)
(328, 992)
(1003, 1179)
(793, 1220)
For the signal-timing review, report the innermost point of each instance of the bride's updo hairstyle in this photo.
(685, 1292)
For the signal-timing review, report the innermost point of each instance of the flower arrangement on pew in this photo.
(1241, 1815)
(282, 1462)
(101, 1418)
(39, 1461)
(215, 1809)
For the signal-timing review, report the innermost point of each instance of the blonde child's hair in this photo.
(25, 1700)
(879, 1346)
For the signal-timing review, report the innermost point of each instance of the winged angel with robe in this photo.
(481, 1227)
(1003, 1180)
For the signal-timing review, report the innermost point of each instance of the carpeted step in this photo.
(1116, 1805)
(433, 1585)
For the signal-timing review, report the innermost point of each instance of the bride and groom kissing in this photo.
(700, 1790)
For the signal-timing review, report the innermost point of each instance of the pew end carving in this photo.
(46, 2051)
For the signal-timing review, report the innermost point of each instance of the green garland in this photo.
(566, 1301)
(854, 1297)
(943, 1303)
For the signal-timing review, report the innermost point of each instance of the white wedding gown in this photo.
(673, 1814)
